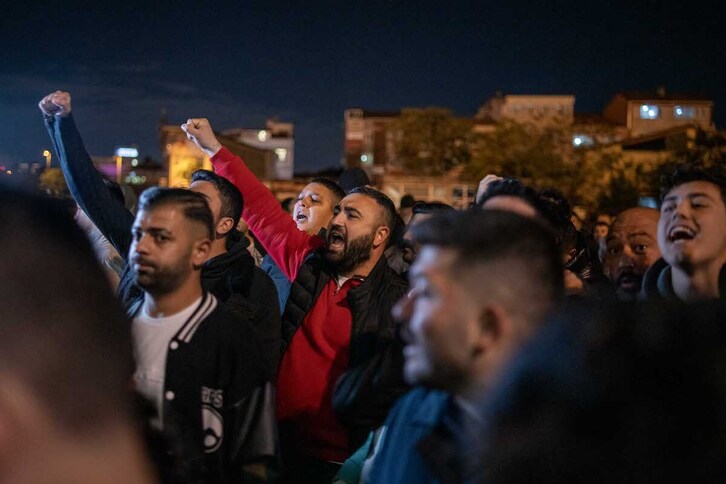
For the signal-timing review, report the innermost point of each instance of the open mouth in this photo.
(336, 239)
(681, 232)
(629, 282)
(301, 218)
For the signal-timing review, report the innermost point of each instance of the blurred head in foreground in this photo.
(65, 355)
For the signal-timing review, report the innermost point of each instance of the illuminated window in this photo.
(281, 153)
(684, 112)
(582, 140)
(649, 111)
(262, 135)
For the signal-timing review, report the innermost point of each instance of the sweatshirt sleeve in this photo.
(272, 226)
(86, 184)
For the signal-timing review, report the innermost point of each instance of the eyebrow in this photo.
(153, 230)
(352, 209)
(640, 233)
(690, 195)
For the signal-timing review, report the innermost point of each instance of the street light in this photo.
(118, 169)
(46, 153)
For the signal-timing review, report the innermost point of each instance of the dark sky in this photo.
(239, 63)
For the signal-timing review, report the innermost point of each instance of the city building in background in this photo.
(181, 157)
(277, 137)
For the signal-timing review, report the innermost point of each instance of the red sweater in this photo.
(318, 353)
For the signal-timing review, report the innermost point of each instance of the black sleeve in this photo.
(86, 184)
(365, 393)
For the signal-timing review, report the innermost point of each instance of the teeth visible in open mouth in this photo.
(300, 217)
(680, 232)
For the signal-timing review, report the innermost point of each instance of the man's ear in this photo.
(200, 252)
(224, 225)
(382, 234)
(493, 325)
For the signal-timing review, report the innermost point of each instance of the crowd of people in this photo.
(216, 334)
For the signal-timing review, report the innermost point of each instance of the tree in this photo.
(53, 183)
(431, 140)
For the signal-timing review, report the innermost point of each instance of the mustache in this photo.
(142, 261)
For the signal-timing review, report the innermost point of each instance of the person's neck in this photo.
(162, 305)
(219, 247)
(700, 283)
(364, 268)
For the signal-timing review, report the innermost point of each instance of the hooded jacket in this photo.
(658, 282)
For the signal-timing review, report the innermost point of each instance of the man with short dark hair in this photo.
(629, 249)
(405, 207)
(483, 283)
(65, 356)
(691, 236)
(339, 344)
(421, 211)
(201, 365)
(229, 273)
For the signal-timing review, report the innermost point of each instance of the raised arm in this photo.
(274, 228)
(85, 183)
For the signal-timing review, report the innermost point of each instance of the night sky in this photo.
(240, 63)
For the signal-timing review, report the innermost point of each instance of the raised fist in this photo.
(200, 132)
(484, 185)
(57, 103)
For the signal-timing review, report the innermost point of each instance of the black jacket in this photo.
(657, 282)
(232, 277)
(218, 392)
(374, 379)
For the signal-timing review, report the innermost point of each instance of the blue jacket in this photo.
(418, 445)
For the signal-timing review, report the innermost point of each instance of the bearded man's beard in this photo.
(356, 252)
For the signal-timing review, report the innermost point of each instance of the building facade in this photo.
(277, 137)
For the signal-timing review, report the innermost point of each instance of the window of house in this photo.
(649, 111)
(684, 112)
(582, 140)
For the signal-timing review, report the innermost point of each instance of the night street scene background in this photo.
(130, 66)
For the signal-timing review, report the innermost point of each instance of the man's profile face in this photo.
(314, 208)
(692, 226)
(439, 321)
(161, 249)
(211, 193)
(411, 248)
(352, 231)
(630, 248)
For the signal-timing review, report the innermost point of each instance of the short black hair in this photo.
(229, 195)
(485, 236)
(335, 189)
(195, 205)
(431, 207)
(352, 178)
(689, 173)
(407, 201)
(389, 209)
(63, 333)
(511, 187)
(628, 392)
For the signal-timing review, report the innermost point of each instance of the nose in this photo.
(682, 209)
(626, 258)
(141, 246)
(305, 202)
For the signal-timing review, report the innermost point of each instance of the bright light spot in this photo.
(46, 153)
(364, 158)
(679, 111)
(281, 153)
(262, 135)
(134, 162)
(577, 141)
(127, 152)
(9, 172)
(644, 108)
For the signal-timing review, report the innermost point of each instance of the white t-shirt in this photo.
(151, 343)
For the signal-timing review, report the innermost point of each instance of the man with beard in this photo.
(340, 350)
(629, 249)
(229, 273)
(201, 366)
(692, 237)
